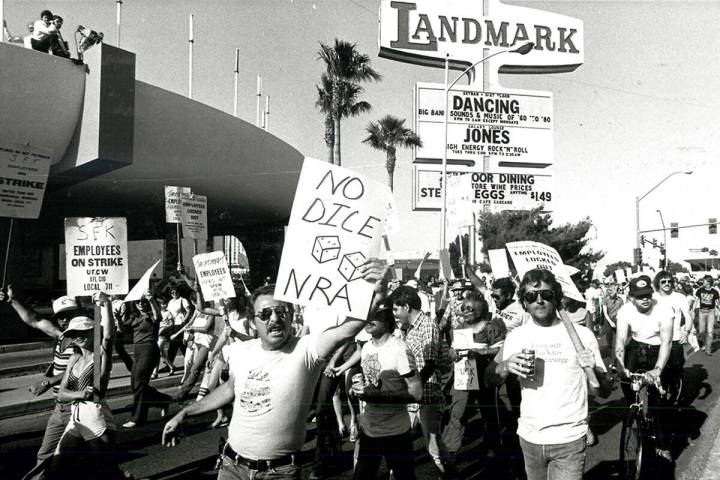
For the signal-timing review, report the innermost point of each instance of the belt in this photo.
(259, 465)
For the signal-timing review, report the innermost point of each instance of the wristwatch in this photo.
(45, 383)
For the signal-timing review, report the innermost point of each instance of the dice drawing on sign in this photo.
(349, 265)
(326, 248)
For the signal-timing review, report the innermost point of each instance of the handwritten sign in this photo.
(96, 259)
(530, 255)
(23, 178)
(173, 203)
(336, 224)
(499, 263)
(194, 216)
(142, 286)
(620, 275)
(214, 275)
(466, 375)
(446, 270)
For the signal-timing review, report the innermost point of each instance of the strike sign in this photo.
(194, 216)
(173, 203)
(336, 224)
(530, 255)
(23, 178)
(96, 256)
(214, 276)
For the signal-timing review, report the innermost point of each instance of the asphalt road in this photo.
(141, 454)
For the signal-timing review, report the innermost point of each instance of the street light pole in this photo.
(637, 204)
(522, 50)
(665, 245)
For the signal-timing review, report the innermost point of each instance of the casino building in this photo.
(116, 142)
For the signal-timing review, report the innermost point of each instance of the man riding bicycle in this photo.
(650, 326)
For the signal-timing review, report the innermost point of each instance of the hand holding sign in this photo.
(333, 239)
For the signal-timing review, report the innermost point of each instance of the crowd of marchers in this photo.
(428, 358)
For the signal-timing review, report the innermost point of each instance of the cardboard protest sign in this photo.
(499, 263)
(336, 224)
(466, 375)
(213, 274)
(620, 276)
(96, 259)
(141, 287)
(23, 178)
(173, 203)
(530, 255)
(193, 213)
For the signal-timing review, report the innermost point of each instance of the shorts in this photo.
(204, 339)
(89, 420)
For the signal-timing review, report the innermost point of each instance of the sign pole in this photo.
(179, 247)
(97, 350)
(443, 180)
(7, 250)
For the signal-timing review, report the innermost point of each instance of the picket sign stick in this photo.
(462, 255)
(575, 338)
(97, 352)
(179, 247)
(7, 252)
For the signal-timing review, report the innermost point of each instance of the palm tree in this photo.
(387, 134)
(344, 67)
(348, 106)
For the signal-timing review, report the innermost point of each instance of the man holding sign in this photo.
(554, 406)
(271, 384)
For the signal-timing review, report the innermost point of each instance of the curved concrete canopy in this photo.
(248, 175)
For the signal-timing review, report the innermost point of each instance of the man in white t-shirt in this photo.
(391, 382)
(649, 324)
(593, 299)
(45, 33)
(665, 293)
(554, 407)
(271, 385)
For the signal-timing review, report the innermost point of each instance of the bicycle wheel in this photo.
(631, 446)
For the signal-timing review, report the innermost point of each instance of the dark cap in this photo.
(640, 286)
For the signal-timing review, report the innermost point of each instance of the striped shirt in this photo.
(60, 362)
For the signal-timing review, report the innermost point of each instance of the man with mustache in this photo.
(271, 384)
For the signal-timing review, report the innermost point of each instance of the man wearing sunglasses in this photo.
(554, 407)
(650, 326)
(64, 310)
(271, 384)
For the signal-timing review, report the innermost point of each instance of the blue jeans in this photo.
(231, 471)
(563, 461)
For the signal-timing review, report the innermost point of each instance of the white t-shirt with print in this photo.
(554, 405)
(384, 367)
(513, 315)
(273, 393)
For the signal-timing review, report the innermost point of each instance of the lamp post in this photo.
(522, 50)
(665, 244)
(637, 204)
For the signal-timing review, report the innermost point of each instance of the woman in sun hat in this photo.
(90, 420)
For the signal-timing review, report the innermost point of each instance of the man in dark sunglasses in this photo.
(271, 384)
(649, 324)
(554, 407)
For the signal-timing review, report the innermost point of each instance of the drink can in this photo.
(358, 379)
(531, 366)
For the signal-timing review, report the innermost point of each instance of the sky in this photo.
(644, 104)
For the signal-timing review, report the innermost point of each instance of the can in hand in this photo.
(531, 362)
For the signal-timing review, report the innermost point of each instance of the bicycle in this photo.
(638, 431)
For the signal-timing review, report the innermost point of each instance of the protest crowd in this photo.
(430, 356)
(510, 360)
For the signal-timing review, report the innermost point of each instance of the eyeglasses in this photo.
(665, 281)
(467, 308)
(267, 312)
(532, 297)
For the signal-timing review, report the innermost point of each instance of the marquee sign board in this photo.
(495, 190)
(423, 32)
(512, 127)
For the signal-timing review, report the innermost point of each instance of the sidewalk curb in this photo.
(712, 460)
(33, 406)
(25, 347)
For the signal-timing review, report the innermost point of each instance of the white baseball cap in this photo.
(64, 304)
